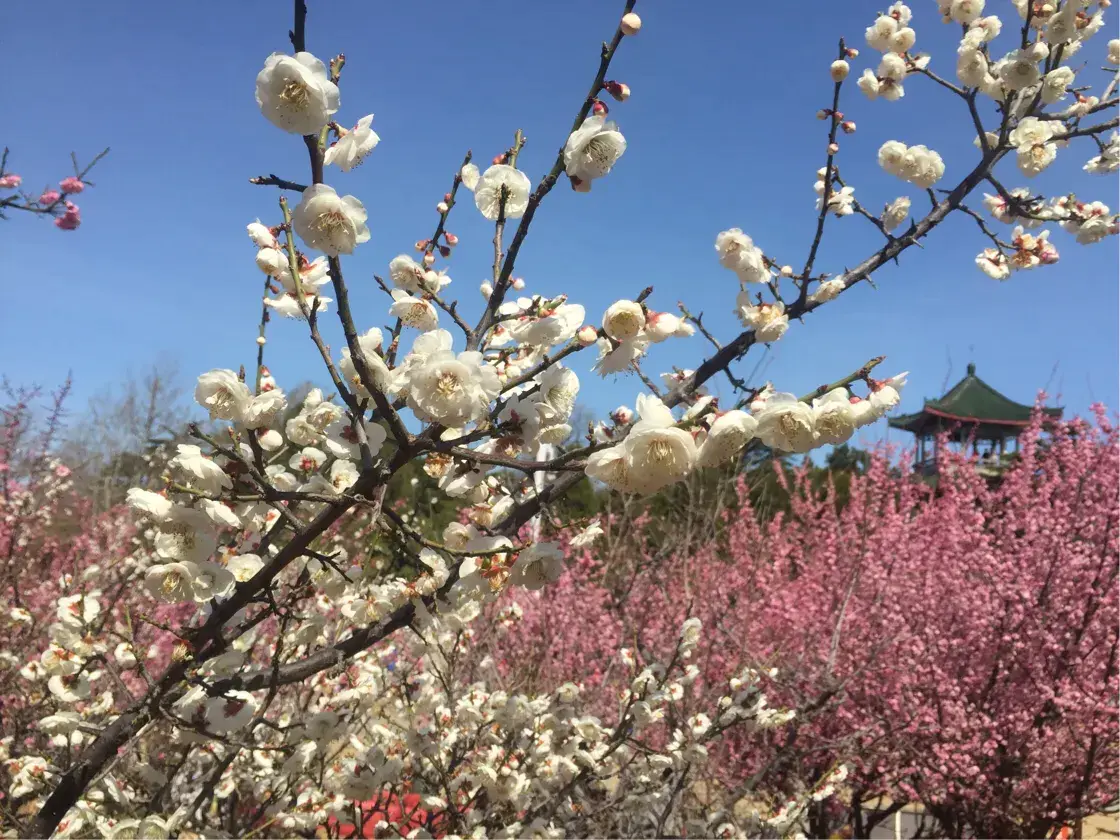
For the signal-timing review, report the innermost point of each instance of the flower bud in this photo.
(599, 109)
(823, 113)
(579, 185)
(787, 271)
(631, 24)
(587, 335)
(421, 244)
(848, 127)
(833, 148)
(429, 259)
(442, 207)
(444, 251)
(838, 115)
(839, 70)
(499, 159)
(622, 415)
(10, 181)
(487, 289)
(851, 52)
(619, 91)
(518, 283)
(261, 340)
(447, 196)
(451, 239)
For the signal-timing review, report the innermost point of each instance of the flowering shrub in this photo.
(318, 651)
(957, 647)
(52, 202)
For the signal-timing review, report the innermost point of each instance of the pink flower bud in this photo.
(50, 197)
(619, 91)
(587, 335)
(71, 185)
(579, 185)
(833, 148)
(851, 52)
(630, 24)
(451, 239)
(441, 208)
(518, 283)
(447, 196)
(421, 244)
(599, 109)
(848, 127)
(499, 159)
(10, 182)
(444, 251)
(429, 258)
(823, 113)
(838, 115)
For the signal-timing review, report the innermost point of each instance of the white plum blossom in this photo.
(414, 311)
(199, 471)
(1034, 146)
(592, 149)
(351, 149)
(223, 394)
(919, 165)
(452, 390)
(895, 213)
(994, 263)
(738, 252)
(502, 190)
(726, 437)
(833, 419)
(624, 320)
(787, 424)
(330, 223)
(295, 93)
(769, 320)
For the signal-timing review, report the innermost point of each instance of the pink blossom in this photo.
(10, 181)
(50, 197)
(71, 185)
(70, 219)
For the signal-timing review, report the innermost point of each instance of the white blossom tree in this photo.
(320, 656)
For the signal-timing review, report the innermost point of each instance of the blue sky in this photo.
(721, 133)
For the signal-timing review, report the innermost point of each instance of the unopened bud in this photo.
(622, 415)
(631, 24)
(447, 196)
(261, 340)
(421, 244)
(518, 283)
(444, 251)
(599, 109)
(823, 113)
(839, 70)
(833, 148)
(838, 115)
(851, 52)
(499, 159)
(579, 185)
(486, 288)
(786, 271)
(429, 258)
(619, 91)
(442, 208)
(451, 239)
(587, 335)
(848, 127)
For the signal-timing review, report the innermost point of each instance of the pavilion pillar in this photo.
(1002, 441)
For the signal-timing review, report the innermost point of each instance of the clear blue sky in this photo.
(721, 133)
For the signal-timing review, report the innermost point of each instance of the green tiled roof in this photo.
(972, 400)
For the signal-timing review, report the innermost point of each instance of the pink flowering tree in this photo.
(54, 202)
(955, 647)
(324, 654)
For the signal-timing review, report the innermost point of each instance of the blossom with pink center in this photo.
(70, 219)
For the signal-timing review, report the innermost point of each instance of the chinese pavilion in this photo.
(971, 410)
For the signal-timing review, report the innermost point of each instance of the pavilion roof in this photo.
(972, 401)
